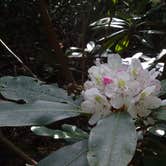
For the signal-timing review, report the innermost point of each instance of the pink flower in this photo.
(107, 80)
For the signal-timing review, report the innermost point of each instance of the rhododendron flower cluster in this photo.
(115, 86)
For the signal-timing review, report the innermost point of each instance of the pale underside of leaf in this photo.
(112, 142)
(37, 113)
(29, 89)
(72, 155)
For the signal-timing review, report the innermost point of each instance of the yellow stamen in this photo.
(121, 83)
(134, 72)
(98, 99)
(143, 94)
(98, 80)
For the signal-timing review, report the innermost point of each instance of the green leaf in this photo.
(163, 87)
(37, 113)
(72, 132)
(152, 32)
(122, 44)
(160, 114)
(72, 155)
(115, 2)
(29, 89)
(75, 130)
(143, 41)
(158, 130)
(112, 142)
(107, 22)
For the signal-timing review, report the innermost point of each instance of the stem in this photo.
(18, 59)
(17, 150)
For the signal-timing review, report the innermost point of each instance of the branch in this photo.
(16, 149)
(53, 41)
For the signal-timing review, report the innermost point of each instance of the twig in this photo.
(16, 149)
(18, 59)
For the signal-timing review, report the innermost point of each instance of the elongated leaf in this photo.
(163, 87)
(74, 133)
(105, 22)
(72, 155)
(74, 130)
(152, 32)
(29, 89)
(37, 113)
(113, 36)
(158, 130)
(161, 114)
(113, 141)
(122, 44)
(115, 1)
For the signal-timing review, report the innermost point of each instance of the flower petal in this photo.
(117, 101)
(94, 118)
(114, 61)
(152, 102)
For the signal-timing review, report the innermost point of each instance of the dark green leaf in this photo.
(72, 155)
(161, 114)
(71, 132)
(122, 44)
(37, 113)
(115, 2)
(163, 87)
(152, 32)
(158, 130)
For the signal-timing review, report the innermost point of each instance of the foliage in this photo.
(113, 147)
(43, 104)
(69, 132)
(58, 41)
(72, 155)
(117, 146)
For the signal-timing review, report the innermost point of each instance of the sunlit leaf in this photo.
(158, 130)
(71, 132)
(152, 32)
(115, 1)
(112, 142)
(122, 44)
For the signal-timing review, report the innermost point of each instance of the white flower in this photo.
(96, 104)
(114, 61)
(142, 104)
(114, 85)
(117, 90)
(144, 77)
(88, 85)
(135, 68)
(95, 75)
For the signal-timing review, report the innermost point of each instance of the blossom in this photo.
(115, 86)
(142, 104)
(107, 80)
(95, 103)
